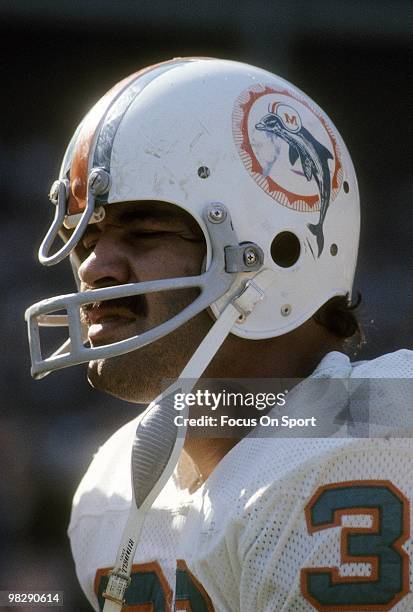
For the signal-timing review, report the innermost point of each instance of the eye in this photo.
(150, 234)
(183, 234)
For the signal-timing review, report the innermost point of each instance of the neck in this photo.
(205, 454)
(292, 356)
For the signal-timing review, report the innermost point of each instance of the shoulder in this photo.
(100, 508)
(364, 417)
(106, 483)
(398, 364)
(381, 395)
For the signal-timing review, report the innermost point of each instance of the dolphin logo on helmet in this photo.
(313, 155)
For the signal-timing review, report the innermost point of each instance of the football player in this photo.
(210, 210)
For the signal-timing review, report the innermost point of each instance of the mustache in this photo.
(135, 304)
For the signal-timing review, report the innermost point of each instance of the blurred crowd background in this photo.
(57, 58)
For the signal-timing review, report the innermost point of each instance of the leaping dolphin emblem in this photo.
(314, 161)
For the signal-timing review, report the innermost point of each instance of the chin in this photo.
(129, 377)
(140, 376)
(113, 376)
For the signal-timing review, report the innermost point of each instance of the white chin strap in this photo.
(158, 441)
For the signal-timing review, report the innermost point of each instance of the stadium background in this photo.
(58, 57)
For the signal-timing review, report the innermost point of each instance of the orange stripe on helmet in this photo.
(84, 147)
(82, 150)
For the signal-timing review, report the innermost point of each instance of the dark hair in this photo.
(339, 317)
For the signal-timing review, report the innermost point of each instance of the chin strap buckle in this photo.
(246, 301)
(253, 292)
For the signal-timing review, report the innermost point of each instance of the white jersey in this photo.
(281, 524)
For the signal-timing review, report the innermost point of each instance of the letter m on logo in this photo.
(292, 119)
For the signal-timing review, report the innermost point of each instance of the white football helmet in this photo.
(257, 164)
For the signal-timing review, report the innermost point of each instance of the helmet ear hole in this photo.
(285, 249)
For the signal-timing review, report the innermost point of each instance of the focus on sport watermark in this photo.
(312, 407)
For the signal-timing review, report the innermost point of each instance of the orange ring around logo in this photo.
(285, 197)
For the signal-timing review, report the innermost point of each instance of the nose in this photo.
(106, 265)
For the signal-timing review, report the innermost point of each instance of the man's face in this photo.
(137, 242)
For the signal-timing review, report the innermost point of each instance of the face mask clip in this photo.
(98, 184)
